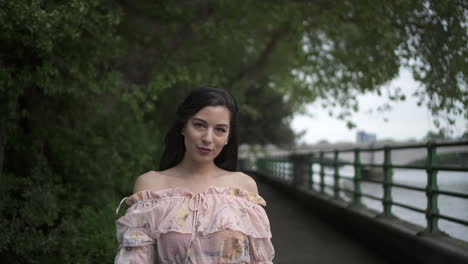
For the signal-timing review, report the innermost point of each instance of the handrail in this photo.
(285, 168)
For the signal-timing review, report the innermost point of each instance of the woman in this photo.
(197, 209)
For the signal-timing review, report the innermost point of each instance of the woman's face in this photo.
(206, 133)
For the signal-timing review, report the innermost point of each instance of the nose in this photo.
(207, 137)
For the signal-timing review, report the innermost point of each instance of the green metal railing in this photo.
(282, 168)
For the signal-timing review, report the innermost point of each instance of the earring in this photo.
(225, 143)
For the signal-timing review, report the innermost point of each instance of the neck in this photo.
(196, 170)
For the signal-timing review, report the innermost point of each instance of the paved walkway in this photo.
(298, 237)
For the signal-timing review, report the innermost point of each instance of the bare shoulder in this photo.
(151, 180)
(246, 182)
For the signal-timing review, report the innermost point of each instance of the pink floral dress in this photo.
(220, 225)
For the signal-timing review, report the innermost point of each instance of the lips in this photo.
(204, 150)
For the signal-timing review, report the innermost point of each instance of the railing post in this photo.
(277, 173)
(268, 165)
(279, 168)
(311, 171)
(357, 194)
(336, 176)
(300, 171)
(284, 170)
(322, 172)
(272, 168)
(387, 182)
(432, 191)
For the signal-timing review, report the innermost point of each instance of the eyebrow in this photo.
(203, 121)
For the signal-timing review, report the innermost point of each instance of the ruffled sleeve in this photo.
(244, 213)
(260, 247)
(136, 243)
(261, 250)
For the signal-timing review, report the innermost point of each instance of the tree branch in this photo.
(253, 71)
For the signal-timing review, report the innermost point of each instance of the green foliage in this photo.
(96, 243)
(431, 135)
(268, 121)
(303, 49)
(71, 143)
(356, 47)
(66, 183)
(465, 135)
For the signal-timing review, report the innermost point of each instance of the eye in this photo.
(198, 124)
(220, 129)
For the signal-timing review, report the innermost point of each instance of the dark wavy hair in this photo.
(198, 99)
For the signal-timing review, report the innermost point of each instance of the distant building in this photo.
(364, 137)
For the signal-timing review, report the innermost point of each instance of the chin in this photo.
(203, 159)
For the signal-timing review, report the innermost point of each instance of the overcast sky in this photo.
(405, 121)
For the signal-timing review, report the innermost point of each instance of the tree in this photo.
(303, 50)
(465, 135)
(69, 146)
(431, 135)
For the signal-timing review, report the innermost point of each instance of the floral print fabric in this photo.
(220, 225)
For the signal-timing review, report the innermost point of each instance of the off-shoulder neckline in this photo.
(179, 191)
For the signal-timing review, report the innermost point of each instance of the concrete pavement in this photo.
(299, 237)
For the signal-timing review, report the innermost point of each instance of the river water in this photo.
(448, 181)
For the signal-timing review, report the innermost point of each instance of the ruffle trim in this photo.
(156, 213)
(177, 192)
(134, 237)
